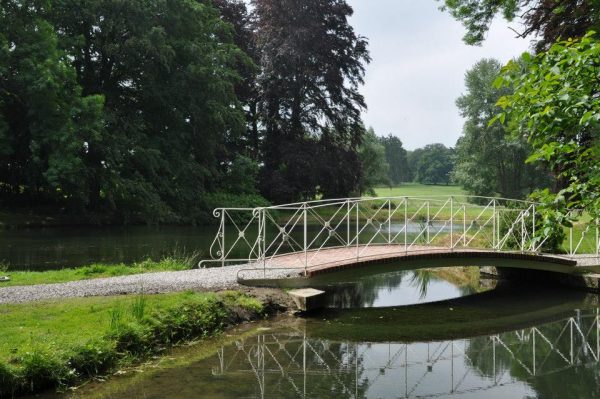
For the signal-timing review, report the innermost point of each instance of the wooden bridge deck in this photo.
(335, 259)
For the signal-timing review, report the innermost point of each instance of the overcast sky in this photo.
(418, 67)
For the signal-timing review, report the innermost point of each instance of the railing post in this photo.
(348, 222)
(464, 233)
(223, 237)
(428, 222)
(357, 230)
(494, 242)
(389, 221)
(405, 224)
(533, 230)
(305, 240)
(451, 222)
(597, 239)
(523, 213)
(262, 231)
(571, 240)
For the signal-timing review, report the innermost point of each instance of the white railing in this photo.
(275, 359)
(260, 236)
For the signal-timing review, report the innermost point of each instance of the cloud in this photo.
(418, 67)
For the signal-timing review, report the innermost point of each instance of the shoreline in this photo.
(129, 342)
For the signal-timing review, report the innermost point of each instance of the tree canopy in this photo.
(397, 160)
(488, 160)
(433, 164)
(148, 110)
(312, 63)
(546, 20)
(555, 103)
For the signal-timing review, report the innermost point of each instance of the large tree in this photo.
(166, 69)
(45, 119)
(547, 20)
(312, 63)
(372, 154)
(397, 160)
(434, 164)
(488, 160)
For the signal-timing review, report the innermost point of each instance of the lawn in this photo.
(94, 271)
(55, 344)
(419, 190)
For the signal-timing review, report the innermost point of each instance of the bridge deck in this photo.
(332, 259)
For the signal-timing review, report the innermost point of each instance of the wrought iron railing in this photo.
(260, 236)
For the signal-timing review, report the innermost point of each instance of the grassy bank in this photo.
(97, 270)
(53, 345)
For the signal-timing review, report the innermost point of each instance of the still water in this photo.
(504, 342)
(59, 247)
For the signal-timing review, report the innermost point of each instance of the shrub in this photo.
(94, 358)
(42, 370)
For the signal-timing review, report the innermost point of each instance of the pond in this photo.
(435, 339)
(60, 247)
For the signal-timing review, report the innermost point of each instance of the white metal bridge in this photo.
(308, 238)
(294, 365)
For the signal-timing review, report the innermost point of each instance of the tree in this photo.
(555, 103)
(375, 168)
(488, 161)
(312, 64)
(235, 12)
(547, 20)
(434, 165)
(45, 120)
(167, 72)
(397, 160)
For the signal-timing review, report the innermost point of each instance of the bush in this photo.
(42, 370)
(94, 358)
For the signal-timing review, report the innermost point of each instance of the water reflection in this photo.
(356, 290)
(522, 363)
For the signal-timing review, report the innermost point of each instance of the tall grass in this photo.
(129, 336)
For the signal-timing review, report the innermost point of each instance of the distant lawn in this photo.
(93, 271)
(419, 190)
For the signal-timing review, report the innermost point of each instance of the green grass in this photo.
(419, 190)
(92, 271)
(58, 343)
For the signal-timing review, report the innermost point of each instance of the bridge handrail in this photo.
(495, 223)
(339, 201)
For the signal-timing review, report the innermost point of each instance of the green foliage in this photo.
(94, 358)
(397, 160)
(372, 155)
(42, 369)
(126, 339)
(547, 20)
(118, 108)
(312, 63)
(178, 260)
(488, 161)
(432, 164)
(555, 104)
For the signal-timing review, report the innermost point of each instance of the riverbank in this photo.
(58, 344)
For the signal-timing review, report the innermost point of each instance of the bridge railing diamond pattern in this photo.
(359, 227)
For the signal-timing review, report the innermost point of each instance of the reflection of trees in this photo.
(365, 291)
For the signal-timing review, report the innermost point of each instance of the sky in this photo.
(418, 67)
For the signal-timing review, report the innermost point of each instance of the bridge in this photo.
(294, 364)
(310, 238)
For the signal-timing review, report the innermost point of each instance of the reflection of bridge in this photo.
(296, 366)
(313, 237)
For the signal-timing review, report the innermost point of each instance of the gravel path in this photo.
(150, 283)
